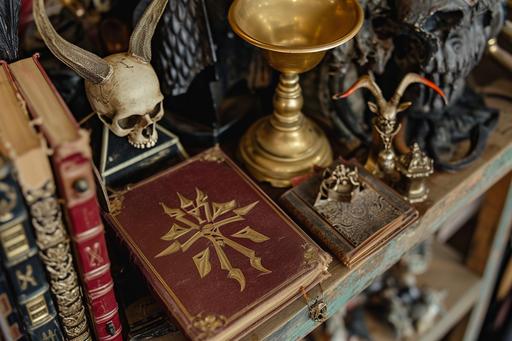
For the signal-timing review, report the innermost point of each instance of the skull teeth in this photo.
(144, 144)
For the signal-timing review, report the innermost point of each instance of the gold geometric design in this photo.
(38, 310)
(94, 255)
(24, 279)
(116, 204)
(202, 219)
(51, 335)
(213, 155)
(208, 324)
(14, 242)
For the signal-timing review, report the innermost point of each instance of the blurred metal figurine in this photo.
(123, 88)
(383, 162)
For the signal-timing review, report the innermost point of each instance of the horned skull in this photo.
(123, 89)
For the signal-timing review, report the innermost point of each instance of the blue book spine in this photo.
(24, 270)
(9, 323)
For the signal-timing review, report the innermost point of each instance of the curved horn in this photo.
(412, 78)
(368, 83)
(140, 41)
(86, 64)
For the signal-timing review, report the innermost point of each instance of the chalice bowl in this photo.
(294, 36)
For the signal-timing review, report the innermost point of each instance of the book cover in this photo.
(351, 230)
(24, 269)
(71, 160)
(25, 148)
(219, 254)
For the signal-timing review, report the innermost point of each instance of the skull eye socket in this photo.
(443, 21)
(128, 122)
(156, 110)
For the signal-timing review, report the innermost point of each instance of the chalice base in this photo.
(275, 167)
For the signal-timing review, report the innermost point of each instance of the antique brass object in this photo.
(294, 36)
(382, 159)
(340, 184)
(414, 169)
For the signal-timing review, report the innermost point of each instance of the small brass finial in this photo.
(415, 167)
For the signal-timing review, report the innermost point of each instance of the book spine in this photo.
(9, 323)
(23, 267)
(77, 186)
(55, 252)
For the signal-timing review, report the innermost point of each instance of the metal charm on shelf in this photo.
(414, 169)
(318, 309)
(341, 184)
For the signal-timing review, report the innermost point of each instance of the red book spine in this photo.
(87, 232)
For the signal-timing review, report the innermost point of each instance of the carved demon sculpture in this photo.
(441, 40)
(123, 88)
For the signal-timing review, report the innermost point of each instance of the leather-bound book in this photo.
(351, 229)
(71, 158)
(24, 270)
(219, 254)
(9, 323)
(29, 156)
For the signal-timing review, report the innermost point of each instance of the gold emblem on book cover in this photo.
(201, 218)
(208, 324)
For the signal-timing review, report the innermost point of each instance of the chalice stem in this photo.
(288, 102)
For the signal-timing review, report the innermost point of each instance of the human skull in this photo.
(134, 108)
(123, 89)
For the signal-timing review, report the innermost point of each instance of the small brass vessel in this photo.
(294, 36)
(415, 167)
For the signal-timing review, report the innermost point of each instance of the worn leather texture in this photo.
(214, 247)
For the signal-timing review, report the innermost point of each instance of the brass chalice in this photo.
(294, 36)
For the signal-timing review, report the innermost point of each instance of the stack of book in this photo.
(49, 218)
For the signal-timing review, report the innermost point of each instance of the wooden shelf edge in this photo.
(449, 193)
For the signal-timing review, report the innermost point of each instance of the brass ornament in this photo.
(415, 167)
(55, 253)
(340, 184)
(200, 218)
(382, 160)
(123, 89)
(294, 36)
(317, 310)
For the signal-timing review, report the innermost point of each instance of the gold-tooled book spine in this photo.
(46, 217)
(55, 252)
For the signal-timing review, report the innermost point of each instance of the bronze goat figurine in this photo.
(386, 119)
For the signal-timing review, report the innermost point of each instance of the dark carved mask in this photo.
(439, 39)
(442, 39)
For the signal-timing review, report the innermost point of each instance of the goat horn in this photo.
(368, 83)
(140, 41)
(86, 64)
(410, 79)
